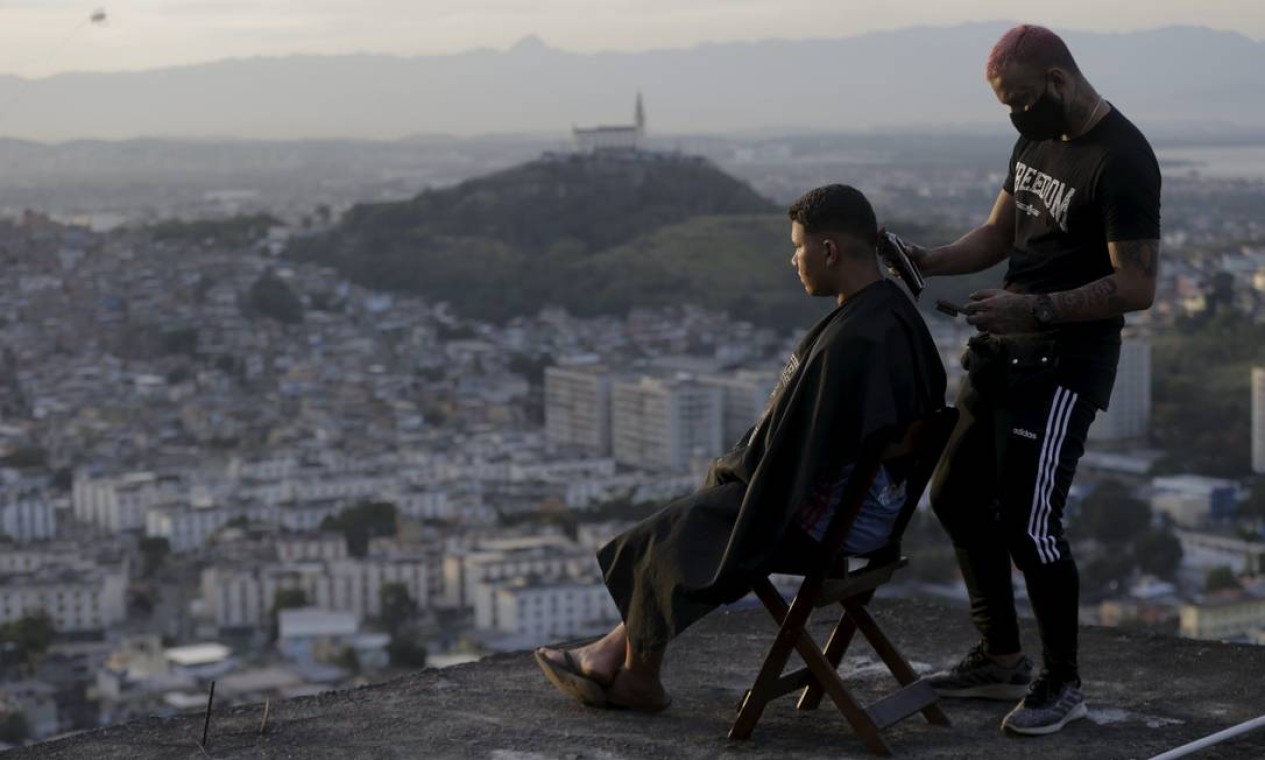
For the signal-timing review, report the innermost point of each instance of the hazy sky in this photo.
(40, 37)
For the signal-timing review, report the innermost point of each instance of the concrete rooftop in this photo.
(1147, 694)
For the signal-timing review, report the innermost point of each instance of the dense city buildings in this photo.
(200, 482)
(1258, 419)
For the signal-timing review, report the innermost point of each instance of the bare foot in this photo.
(634, 691)
(593, 662)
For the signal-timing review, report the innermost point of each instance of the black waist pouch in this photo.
(1010, 366)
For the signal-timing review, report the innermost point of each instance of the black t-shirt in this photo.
(1071, 199)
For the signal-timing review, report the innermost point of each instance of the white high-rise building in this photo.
(538, 612)
(1258, 420)
(77, 593)
(27, 517)
(664, 424)
(746, 393)
(119, 504)
(1129, 415)
(578, 407)
(242, 597)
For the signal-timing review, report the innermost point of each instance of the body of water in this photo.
(1214, 162)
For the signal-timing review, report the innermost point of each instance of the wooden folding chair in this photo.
(918, 448)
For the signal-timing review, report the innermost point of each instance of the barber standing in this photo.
(1079, 220)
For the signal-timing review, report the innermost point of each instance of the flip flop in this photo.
(667, 702)
(568, 679)
(654, 708)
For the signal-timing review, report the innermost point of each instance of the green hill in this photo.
(595, 235)
(501, 245)
(739, 264)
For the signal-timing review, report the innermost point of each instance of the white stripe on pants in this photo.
(1051, 450)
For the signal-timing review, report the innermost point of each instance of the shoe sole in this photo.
(998, 691)
(1076, 713)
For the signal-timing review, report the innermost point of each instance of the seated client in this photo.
(868, 364)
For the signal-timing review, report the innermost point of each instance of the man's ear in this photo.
(832, 250)
(1061, 79)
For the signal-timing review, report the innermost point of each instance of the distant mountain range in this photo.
(917, 79)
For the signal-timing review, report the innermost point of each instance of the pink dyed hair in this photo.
(1032, 45)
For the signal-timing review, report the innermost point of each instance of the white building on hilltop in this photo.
(1129, 414)
(1258, 420)
(617, 138)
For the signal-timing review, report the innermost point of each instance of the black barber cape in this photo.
(868, 364)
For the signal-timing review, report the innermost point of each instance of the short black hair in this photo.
(836, 208)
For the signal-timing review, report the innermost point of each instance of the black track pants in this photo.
(1000, 492)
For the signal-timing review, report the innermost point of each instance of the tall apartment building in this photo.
(27, 517)
(578, 407)
(1129, 414)
(539, 612)
(242, 597)
(745, 395)
(663, 424)
(1258, 420)
(1221, 617)
(119, 504)
(547, 559)
(79, 595)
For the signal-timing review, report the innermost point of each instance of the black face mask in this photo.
(1043, 120)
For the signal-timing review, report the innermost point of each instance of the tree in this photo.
(1158, 553)
(271, 297)
(233, 232)
(14, 728)
(26, 457)
(407, 653)
(1111, 515)
(154, 552)
(63, 479)
(348, 660)
(365, 521)
(1219, 578)
(28, 637)
(180, 340)
(1254, 507)
(285, 599)
(1108, 571)
(397, 607)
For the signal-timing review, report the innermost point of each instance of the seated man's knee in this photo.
(967, 522)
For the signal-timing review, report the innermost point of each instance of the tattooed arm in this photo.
(978, 249)
(1131, 287)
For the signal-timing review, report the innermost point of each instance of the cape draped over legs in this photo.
(868, 364)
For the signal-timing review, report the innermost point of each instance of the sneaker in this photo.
(980, 676)
(1049, 706)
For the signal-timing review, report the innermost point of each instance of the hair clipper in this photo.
(895, 255)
